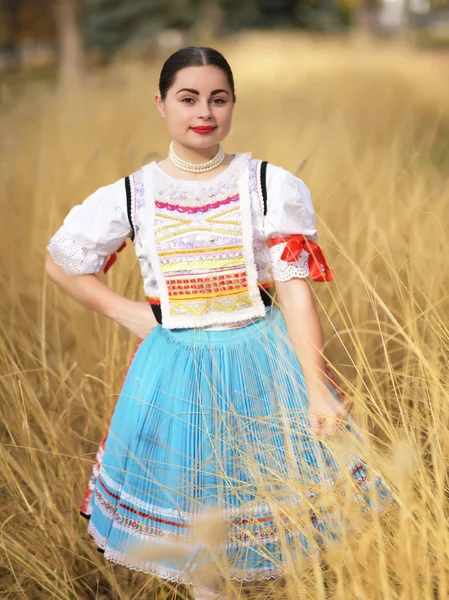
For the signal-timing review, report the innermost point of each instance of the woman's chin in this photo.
(198, 141)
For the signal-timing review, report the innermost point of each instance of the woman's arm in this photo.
(91, 292)
(304, 329)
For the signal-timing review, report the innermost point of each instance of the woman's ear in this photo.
(160, 104)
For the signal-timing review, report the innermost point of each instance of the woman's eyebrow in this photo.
(191, 91)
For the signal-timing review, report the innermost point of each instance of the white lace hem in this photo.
(283, 270)
(74, 258)
(173, 575)
(185, 575)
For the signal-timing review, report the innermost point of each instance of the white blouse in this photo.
(188, 216)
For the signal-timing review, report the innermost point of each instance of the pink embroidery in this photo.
(194, 209)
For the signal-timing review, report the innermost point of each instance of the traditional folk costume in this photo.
(212, 418)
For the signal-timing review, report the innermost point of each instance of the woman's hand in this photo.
(325, 412)
(93, 293)
(138, 318)
(303, 326)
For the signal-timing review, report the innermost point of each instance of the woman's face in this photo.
(198, 107)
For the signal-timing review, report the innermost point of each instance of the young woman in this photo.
(226, 410)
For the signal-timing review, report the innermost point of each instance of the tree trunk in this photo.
(365, 16)
(71, 50)
(211, 20)
(9, 13)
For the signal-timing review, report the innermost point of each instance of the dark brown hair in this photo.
(192, 56)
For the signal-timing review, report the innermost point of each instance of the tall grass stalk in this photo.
(368, 127)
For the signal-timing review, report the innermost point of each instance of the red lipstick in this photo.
(203, 130)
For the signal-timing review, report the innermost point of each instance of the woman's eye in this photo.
(189, 100)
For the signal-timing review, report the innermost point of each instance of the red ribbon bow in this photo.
(112, 258)
(318, 268)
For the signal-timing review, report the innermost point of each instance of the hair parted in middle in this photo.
(192, 56)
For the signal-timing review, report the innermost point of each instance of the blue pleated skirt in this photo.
(210, 463)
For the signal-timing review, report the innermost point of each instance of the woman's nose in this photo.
(205, 109)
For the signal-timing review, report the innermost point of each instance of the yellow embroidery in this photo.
(178, 223)
(218, 294)
(241, 299)
(217, 218)
(205, 263)
(236, 233)
(200, 250)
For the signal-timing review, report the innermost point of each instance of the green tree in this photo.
(111, 24)
(278, 12)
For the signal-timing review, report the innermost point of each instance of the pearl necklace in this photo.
(184, 165)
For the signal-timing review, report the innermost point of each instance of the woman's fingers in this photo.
(314, 422)
(327, 414)
(326, 425)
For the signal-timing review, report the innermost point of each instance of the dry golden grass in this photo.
(373, 125)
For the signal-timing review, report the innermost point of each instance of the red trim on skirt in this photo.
(100, 452)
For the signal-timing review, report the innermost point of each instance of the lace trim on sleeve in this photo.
(74, 258)
(284, 271)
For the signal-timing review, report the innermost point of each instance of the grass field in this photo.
(367, 128)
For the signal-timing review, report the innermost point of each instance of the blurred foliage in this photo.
(112, 24)
(23, 20)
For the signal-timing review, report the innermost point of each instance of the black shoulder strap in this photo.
(263, 184)
(129, 205)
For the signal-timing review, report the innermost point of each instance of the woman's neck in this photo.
(170, 169)
(195, 155)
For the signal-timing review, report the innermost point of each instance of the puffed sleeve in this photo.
(92, 231)
(290, 229)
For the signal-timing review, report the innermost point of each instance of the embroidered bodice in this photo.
(201, 245)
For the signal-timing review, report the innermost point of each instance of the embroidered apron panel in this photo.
(203, 256)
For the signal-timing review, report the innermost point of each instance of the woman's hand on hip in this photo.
(138, 318)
